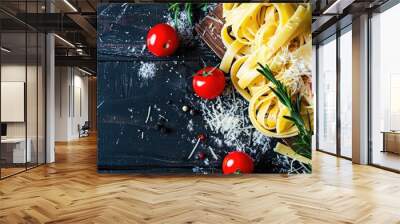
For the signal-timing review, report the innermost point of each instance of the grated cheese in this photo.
(190, 126)
(147, 70)
(148, 115)
(227, 118)
(182, 26)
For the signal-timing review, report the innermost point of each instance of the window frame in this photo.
(334, 37)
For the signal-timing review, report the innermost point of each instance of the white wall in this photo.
(70, 83)
(81, 84)
(61, 103)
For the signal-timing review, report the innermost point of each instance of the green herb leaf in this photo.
(175, 9)
(302, 145)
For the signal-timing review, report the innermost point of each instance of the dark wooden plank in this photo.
(126, 142)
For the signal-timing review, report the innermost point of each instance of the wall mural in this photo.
(204, 88)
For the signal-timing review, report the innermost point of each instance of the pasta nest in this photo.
(278, 35)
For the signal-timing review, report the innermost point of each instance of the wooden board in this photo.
(131, 107)
(209, 29)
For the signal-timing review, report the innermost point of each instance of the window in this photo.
(346, 92)
(327, 96)
(22, 101)
(385, 89)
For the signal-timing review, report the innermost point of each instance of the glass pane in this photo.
(41, 99)
(385, 84)
(31, 98)
(327, 96)
(31, 86)
(346, 94)
(13, 86)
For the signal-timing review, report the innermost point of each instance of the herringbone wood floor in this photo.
(70, 191)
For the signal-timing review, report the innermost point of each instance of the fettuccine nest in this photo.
(278, 35)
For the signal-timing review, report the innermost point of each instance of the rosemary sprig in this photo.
(302, 145)
(175, 9)
(189, 13)
(204, 6)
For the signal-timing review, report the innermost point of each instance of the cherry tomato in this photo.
(237, 162)
(162, 40)
(209, 82)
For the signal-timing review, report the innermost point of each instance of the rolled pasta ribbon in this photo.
(289, 152)
(278, 35)
(265, 116)
(268, 115)
(230, 55)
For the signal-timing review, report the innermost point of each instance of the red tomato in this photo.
(237, 162)
(209, 82)
(162, 40)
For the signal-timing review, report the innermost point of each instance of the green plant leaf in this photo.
(302, 145)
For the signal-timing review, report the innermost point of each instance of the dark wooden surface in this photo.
(123, 101)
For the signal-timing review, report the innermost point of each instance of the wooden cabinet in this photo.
(391, 142)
